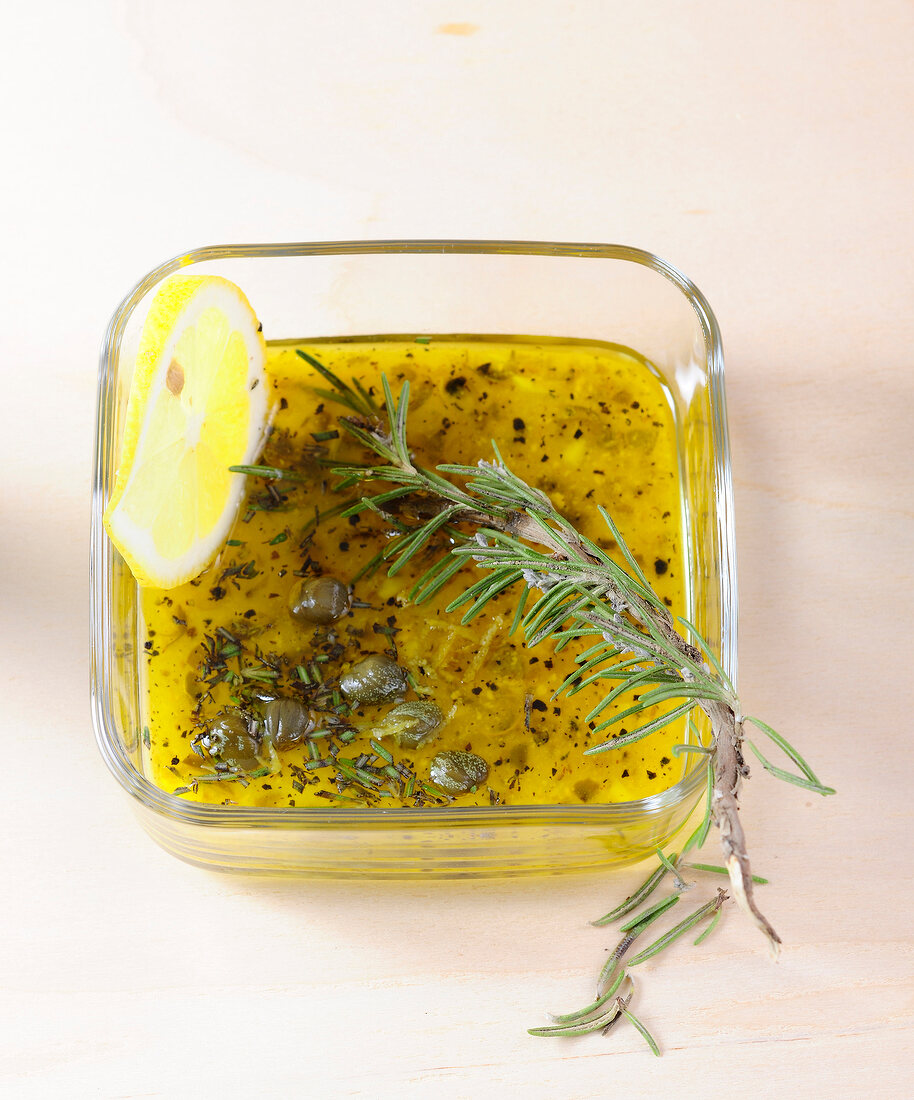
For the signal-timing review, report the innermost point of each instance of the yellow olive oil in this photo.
(588, 424)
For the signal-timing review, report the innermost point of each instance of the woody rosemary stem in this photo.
(729, 769)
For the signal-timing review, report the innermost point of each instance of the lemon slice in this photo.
(197, 405)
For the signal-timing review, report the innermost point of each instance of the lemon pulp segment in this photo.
(198, 405)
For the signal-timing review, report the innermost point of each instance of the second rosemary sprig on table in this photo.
(614, 980)
(513, 532)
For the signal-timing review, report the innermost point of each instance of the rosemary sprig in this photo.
(512, 531)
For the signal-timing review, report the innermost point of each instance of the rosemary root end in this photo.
(747, 903)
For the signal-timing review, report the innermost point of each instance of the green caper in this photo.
(456, 772)
(410, 724)
(320, 600)
(287, 721)
(374, 679)
(230, 738)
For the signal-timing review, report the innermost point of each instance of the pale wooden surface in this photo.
(764, 148)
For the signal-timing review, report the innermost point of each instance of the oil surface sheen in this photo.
(587, 424)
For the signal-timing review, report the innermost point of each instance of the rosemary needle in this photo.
(714, 869)
(712, 924)
(648, 1038)
(267, 471)
(681, 884)
(381, 751)
(642, 920)
(634, 900)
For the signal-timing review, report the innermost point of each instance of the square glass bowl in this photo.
(605, 293)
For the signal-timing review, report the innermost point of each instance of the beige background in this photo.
(766, 149)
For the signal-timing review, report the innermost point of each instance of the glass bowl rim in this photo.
(191, 813)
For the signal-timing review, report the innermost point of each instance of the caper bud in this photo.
(229, 738)
(320, 600)
(374, 679)
(456, 772)
(410, 724)
(287, 721)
